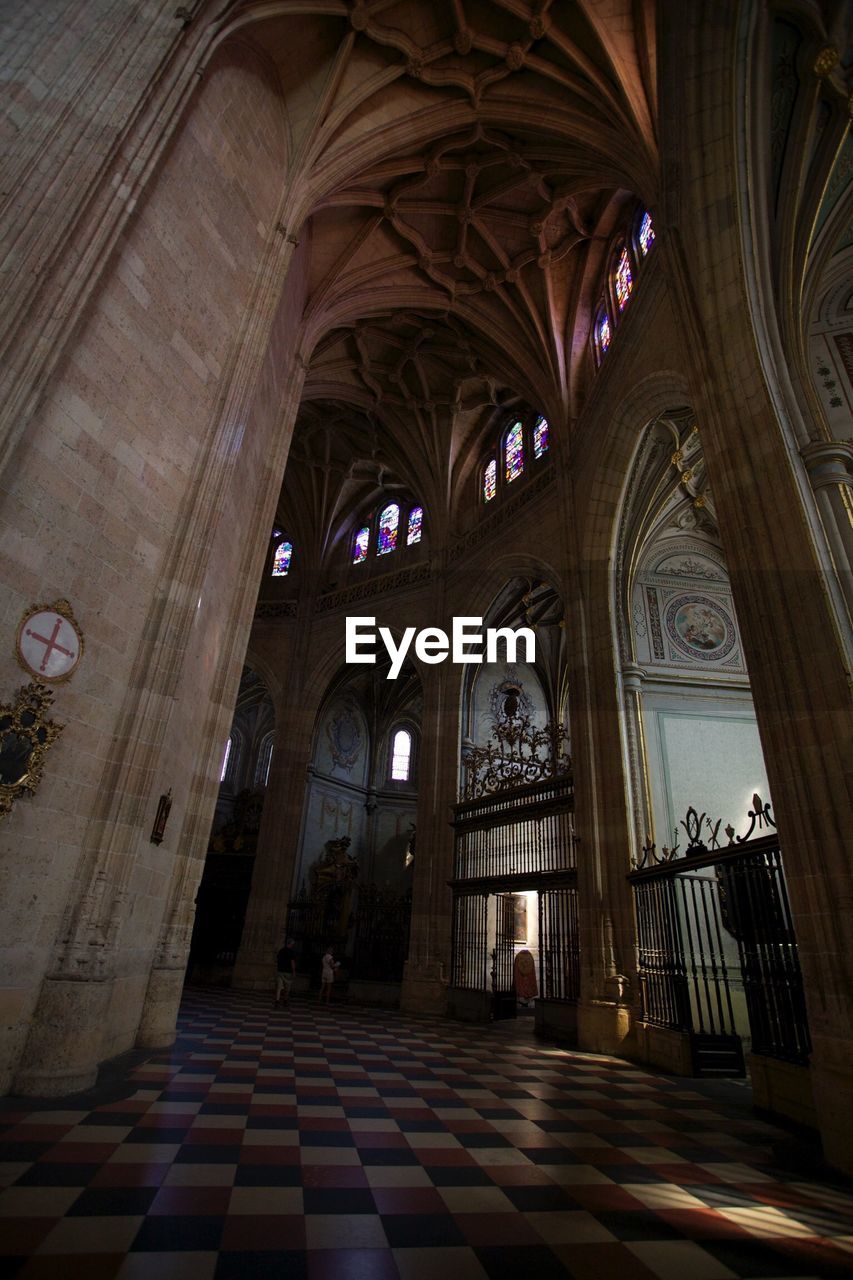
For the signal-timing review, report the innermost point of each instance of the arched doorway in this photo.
(718, 970)
(515, 931)
(353, 881)
(223, 893)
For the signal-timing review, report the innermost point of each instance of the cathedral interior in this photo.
(533, 316)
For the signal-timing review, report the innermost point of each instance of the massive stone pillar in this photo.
(278, 839)
(427, 971)
(160, 470)
(796, 641)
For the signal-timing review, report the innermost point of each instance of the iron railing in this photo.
(717, 953)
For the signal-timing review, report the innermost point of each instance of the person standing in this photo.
(285, 970)
(327, 975)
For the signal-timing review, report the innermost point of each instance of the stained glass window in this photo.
(603, 331)
(281, 559)
(540, 437)
(624, 280)
(416, 525)
(401, 753)
(514, 451)
(388, 522)
(360, 545)
(490, 480)
(225, 759)
(646, 233)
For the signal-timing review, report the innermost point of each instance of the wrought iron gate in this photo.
(717, 955)
(503, 954)
(559, 948)
(510, 842)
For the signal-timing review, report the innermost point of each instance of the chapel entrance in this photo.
(515, 921)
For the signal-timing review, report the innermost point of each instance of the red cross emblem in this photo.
(49, 643)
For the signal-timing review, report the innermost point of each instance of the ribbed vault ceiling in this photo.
(458, 166)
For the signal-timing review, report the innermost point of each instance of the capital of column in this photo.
(633, 677)
(828, 462)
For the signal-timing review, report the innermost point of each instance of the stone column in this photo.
(829, 464)
(427, 972)
(278, 844)
(602, 828)
(796, 641)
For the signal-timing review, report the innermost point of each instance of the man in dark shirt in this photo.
(285, 968)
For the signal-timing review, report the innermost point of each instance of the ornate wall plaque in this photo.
(344, 737)
(25, 736)
(49, 643)
(700, 627)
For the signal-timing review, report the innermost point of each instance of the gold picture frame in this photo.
(26, 735)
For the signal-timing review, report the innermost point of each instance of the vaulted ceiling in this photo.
(458, 166)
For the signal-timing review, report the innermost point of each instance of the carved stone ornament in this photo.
(49, 643)
(344, 737)
(25, 736)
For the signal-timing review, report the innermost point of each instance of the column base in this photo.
(605, 1027)
(253, 974)
(783, 1088)
(65, 1044)
(160, 1009)
(658, 1046)
(832, 1088)
(424, 990)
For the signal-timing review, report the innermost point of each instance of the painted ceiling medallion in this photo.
(49, 643)
(700, 627)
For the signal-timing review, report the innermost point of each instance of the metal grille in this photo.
(755, 907)
(503, 976)
(518, 833)
(470, 946)
(558, 944)
(710, 925)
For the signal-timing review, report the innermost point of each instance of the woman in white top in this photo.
(327, 975)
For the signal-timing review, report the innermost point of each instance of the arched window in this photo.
(281, 559)
(623, 280)
(388, 522)
(416, 525)
(262, 768)
(514, 452)
(540, 436)
(490, 480)
(645, 233)
(401, 755)
(603, 332)
(360, 543)
(225, 759)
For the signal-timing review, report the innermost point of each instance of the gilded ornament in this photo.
(25, 737)
(826, 61)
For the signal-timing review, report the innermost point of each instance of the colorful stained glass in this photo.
(646, 233)
(388, 522)
(514, 452)
(360, 544)
(281, 559)
(603, 329)
(416, 525)
(490, 480)
(540, 437)
(624, 280)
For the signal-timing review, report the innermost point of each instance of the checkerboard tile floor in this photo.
(339, 1144)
